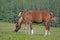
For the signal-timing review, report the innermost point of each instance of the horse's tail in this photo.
(52, 16)
(55, 19)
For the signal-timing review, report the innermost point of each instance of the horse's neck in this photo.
(23, 15)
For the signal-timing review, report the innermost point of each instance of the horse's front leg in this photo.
(32, 32)
(25, 27)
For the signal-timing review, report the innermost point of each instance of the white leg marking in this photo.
(32, 31)
(46, 32)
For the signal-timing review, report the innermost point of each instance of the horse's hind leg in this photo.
(31, 28)
(47, 31)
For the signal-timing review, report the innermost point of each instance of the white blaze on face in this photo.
(19, 14)
(20, 19)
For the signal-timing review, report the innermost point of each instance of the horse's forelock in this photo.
(21, 11)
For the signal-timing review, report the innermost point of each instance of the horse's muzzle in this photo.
(15, 30)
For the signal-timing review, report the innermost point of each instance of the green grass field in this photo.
(7, 33)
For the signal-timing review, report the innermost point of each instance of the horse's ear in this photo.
(21, 11)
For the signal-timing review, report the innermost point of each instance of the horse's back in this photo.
(39, 16)
(36, 16)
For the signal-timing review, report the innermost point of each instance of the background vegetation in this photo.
(9, 9)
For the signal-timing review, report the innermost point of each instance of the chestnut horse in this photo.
(35, 16)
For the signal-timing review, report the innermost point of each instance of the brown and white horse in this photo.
(35, 16)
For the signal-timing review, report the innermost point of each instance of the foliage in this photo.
(9, 9)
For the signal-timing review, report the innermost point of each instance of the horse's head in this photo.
(17, 27)
(18, 24)
(20, 13)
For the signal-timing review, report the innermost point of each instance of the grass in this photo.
(7, 33)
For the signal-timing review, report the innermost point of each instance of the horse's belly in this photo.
(38, 19)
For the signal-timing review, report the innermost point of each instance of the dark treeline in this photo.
(9, 9)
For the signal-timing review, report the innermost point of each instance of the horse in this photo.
(35, 16)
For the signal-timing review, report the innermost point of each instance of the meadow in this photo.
(7, 33)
